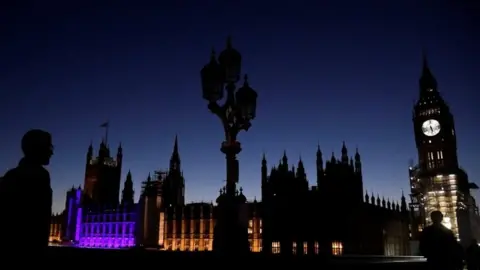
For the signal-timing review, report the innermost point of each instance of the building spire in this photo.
(175, 158)
(175, 145)
(428, 83)
(127, 192)
(425, 59)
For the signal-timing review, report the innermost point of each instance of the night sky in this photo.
(325, 73)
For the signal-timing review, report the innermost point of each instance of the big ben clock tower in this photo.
(437, 182)
(434, 127)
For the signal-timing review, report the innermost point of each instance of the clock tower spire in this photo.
(434, 126)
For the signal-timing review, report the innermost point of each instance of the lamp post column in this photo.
(231, 231)
(231, 147)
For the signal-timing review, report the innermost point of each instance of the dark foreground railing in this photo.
(113, 258)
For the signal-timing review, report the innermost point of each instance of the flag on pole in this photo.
(104, 124)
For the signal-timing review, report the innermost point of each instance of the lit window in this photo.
(206, 244)
(305, 247)
(294, 248)
(337, 248)
(316, 247)
(196, 245)
(276, 247)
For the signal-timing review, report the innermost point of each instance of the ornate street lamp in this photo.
(231, 230)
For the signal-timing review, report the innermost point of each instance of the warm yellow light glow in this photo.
(447, 223)
(197, 234)
(276, 247)
(55, 232)
(444, 196)
(337, 248)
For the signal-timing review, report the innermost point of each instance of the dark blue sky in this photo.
(324, 73)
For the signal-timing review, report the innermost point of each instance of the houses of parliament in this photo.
(292, 217)
(335, 216)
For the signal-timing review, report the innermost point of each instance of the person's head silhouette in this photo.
(437, 217)
(37, 146)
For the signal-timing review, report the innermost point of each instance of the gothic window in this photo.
(276, 247)
(196, 245)
(440, 158)
(431, 160)
(196, 227)
(206, 227)
(206, 244)
(337, 248)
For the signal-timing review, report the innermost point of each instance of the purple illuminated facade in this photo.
(73, 214)
(95, 218)
(108, 229)
(100, 228)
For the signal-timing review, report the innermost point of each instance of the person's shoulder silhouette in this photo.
(27, 188)
(37, 149)
(438, 244)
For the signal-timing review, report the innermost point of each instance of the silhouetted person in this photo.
(439, 245)
(473, 256)
(26, 197)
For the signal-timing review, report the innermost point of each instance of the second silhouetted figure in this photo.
(26, 196)
(473, 256)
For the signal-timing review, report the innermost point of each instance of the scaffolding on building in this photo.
(443, 195)
(417, 201)
(155, 185)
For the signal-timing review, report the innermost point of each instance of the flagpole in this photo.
(105, 125)
(106, 134)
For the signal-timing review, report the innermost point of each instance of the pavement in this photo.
(92, 257)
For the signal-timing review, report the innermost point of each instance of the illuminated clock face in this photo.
(431, 127)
